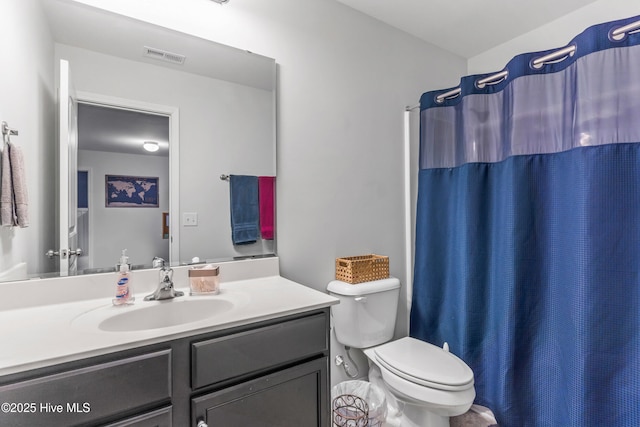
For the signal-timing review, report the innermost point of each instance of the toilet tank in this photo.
(366, 315)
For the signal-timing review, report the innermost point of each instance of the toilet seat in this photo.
(425, 364)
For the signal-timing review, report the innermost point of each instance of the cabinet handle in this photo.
(201, 423)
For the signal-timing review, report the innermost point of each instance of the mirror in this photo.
(114, 205)
(218, 106)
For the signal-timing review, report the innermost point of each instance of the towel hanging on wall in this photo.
(266, 188)
(14, 201)
(243, 193)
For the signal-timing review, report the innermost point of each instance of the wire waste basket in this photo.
(350, 411)
(357, 404)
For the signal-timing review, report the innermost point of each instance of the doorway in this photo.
(114, 165)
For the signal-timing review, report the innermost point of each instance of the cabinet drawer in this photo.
(87, 395)
(239, 354)
(159, 418)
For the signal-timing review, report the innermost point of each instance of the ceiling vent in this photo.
(163, 55)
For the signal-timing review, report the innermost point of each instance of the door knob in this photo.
(51, 253)
(201, 423)
(77, 252)
(63, 253)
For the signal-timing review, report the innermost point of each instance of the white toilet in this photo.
(428, 384)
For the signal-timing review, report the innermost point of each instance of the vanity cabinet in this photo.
(82, 395)
(270, 373)
(295, 395)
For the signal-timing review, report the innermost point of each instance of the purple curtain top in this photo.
(585, 94)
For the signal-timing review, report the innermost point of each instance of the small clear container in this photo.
(204, 280)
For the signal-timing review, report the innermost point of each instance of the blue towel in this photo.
(245, 216)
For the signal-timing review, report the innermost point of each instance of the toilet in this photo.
(426, 384)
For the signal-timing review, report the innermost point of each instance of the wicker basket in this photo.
(364, 268)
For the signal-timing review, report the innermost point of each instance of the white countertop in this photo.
(44, 335)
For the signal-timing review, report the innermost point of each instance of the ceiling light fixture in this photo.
(220, 1)
(151, 146)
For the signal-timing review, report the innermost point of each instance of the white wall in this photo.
(27, 96)
(223, 130)
(344, 80)
(554, 34)
(139, 230)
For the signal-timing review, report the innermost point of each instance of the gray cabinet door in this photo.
(294, 397)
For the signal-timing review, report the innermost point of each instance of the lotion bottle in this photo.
(124, 293)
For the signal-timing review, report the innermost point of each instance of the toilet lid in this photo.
(426, 364)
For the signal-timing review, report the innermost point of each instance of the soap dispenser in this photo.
(124, 293)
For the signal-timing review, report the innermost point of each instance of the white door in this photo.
(68, 172)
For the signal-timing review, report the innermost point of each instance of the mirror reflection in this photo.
(123, 191)
(209, 108)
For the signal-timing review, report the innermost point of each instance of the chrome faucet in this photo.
(165, 287)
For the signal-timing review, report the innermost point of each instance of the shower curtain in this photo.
(528, 231)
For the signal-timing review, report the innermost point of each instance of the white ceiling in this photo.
(115, 130)
(466, 27)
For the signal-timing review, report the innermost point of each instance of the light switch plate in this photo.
(190, 219)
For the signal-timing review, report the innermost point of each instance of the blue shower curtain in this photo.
(528, 232)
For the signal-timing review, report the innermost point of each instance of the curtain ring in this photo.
(620, 33)
(454, 93)
(493, 79)
(553, 58)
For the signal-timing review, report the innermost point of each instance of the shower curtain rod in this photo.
(496, 78)
(557, 56)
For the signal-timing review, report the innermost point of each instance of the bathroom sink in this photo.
(165, 314)
(153, 315)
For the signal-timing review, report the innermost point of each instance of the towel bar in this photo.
(7, 131)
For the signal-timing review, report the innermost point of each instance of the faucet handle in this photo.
(158, 262)
(166, 275)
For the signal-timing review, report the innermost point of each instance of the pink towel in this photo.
(266, 196)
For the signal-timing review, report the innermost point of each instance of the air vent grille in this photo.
(163, 55)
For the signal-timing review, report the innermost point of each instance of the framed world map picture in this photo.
(131, 191)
